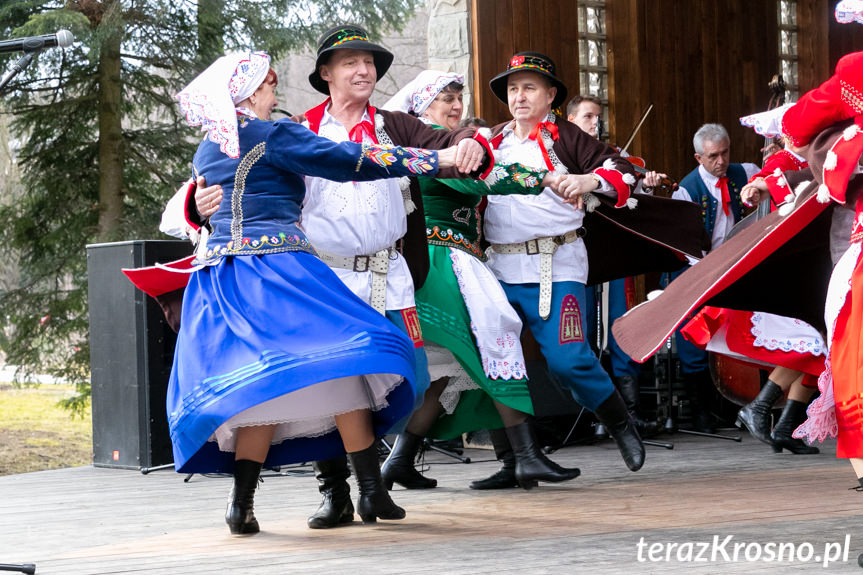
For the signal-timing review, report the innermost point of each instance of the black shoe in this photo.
(627, 385)
(374, 501)
(614, 415)
(399, 466)
(531, 464)
(240, 515)
(336, 508)
(503, 478)
(755, 416)
(793, 415)
(698, 386)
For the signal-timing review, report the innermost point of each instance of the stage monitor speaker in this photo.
(131, 352)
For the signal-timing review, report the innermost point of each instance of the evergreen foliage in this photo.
(102, 144)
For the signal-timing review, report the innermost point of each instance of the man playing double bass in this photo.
(715, 185)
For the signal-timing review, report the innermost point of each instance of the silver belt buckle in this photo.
(528, 244)
(365, 266)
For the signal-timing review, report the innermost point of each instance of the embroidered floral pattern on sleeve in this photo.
(417, 160)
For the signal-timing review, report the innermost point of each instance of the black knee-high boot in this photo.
(613, 414)
(755, 415)
(336, 507)
(531, 464)
(627, 385)
(240, 515)
(399, 466)
(793, 415)
(374, 501)
(503, 478)
(698, 386)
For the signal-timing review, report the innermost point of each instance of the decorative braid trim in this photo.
(559, 168)
(243, 170)
(852, 96)
(385, 140)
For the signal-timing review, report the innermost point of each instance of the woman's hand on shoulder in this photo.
(207, 198)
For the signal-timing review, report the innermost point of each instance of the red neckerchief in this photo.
(536, 134)
(722, 183)
(316, 115)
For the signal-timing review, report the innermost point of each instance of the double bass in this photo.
(737, 380)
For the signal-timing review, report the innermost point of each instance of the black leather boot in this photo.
(399, 466)
(336, 508)
(503, 478)
(698, 386)
(755, 416)
(240, 515)
(374, 501)
(613, 414)
(792, 416)
(627, 385)
(531, 464)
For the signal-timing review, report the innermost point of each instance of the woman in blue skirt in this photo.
(276, 360)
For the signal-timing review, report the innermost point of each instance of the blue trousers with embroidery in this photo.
(423, 379)
(562, 339)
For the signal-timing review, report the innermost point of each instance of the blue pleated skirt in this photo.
(255, 329)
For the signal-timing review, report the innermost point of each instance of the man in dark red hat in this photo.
(537, 249)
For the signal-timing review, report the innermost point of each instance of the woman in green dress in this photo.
(472, 334)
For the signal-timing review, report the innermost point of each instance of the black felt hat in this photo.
(529, 62)
(347, 36)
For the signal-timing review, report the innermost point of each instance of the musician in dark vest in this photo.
(715, 185)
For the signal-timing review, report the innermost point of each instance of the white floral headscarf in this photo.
(848, 11)
(210, 99)
(420, 92)
(767, 124)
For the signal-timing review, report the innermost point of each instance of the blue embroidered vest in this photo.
(699, 194)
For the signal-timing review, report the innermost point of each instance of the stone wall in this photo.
(437, 37)
(409, 47)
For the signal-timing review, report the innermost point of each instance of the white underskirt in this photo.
(310, 411)
(442, 363)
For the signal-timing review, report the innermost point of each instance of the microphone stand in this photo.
(19, 67)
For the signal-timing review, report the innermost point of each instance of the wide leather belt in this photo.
(545, 248)
(378, 264)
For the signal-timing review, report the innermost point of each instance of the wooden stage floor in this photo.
(93, 520)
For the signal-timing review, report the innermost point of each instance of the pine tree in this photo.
(103, 145)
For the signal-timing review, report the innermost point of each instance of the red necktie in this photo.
(722, 184)
(356, 133)
(535, 134)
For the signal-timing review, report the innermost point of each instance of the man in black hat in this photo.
(346, 222)
(543, 268)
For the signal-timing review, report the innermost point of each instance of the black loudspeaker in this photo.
(131, 352)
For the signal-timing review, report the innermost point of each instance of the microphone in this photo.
(63, 39)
